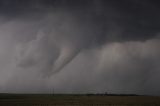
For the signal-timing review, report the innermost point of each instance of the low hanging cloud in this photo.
(79, 47)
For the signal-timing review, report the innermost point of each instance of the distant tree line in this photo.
(110, 94)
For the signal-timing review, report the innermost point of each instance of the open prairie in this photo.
(76, 100)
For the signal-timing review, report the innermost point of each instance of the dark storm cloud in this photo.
(136, 20)
(91, 45)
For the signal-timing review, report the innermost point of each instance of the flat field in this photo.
(76, 100)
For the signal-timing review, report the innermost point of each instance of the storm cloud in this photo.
(70, 46)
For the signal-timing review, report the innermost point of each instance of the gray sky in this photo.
(73, 46)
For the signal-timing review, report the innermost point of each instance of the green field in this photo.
(76, 100)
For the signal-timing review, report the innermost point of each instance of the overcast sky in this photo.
(80, 46)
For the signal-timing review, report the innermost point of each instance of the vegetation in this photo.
(77, 100)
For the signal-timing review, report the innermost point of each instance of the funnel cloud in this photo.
(80, 46)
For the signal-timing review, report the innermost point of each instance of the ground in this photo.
(76, 100)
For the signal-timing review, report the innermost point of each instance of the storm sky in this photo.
(80, 46)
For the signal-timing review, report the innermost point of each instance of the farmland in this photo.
(76, 100)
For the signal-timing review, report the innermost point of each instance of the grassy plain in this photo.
(76, 100)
